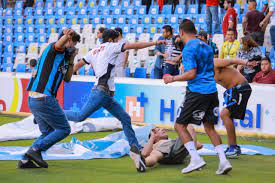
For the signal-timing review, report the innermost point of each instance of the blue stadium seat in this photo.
(28, 11)
(200, 19)
(93, 11)
(8, 38)
(30, 28)
(121, 19)
(8, 29)
(91, 4)
(19, 38)
(51, 29)
(180, 9)
(19, 5)
(116, 10)
(108, 19)
(18, 12)
(106, 11)
(30, 38)
(160, 19)
(70, 11)
(69, 3)
(62, 20)
(263, 49)
(272, 53)
(137, 3)
(154, 10)
(21, 68)
(38, 12)
(103, 3)
(129, 10)
(114, 3)
(203, 9)
(29, 20)
(237, 7)
(40, 29)
(174, 19)
(49, 11)
(19, 20)
(193, 9)
(8, 12)
(96, 19)
(127, 72)
(59, 12)
(9, 48)
(72, 20)
(21, 48)
(50, 20)
(167, 9)
(19, 29)
(49, 4)
(140, 72)
(8, 58)
(39, 20)
(81, 4)
(187, 16)
(153, 29)
(147, 19)
(139, 29)
(82, 11)
(41, 38)
(141, 10)
(125, 29)
(91, 72)
(59, 3)
(39, 3)
(81, 71)
(126, 3)
(83, 20)
(7, 67)
(8, 20)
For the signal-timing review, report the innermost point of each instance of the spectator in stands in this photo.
(99, 35)
(161, 51)
(250, 51)
(147, 3)
(231, 46)
(33, 63)
(29, 3)
(174, 3)
(262, 5)
(266, 75)
(3, 4)
(251, 23)
(270, 16)
(212, 16)
(230, 18)
(173, 51)
(122, 58)
(203, 36)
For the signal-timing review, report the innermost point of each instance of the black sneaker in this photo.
(28, 164)
(138, 159)
(36, 157)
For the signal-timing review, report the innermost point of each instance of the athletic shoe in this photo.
(233, 151)
(224, 168)
(138, 159)
(28, 164)
(196, 164)
(36, 157)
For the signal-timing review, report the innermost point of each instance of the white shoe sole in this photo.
(225, 171)
(140, 166)
(198, 167)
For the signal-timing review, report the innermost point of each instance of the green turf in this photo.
(247, 169)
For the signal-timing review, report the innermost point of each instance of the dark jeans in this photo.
(258, 37)
(272, 35)
(51, 120)
(97, 99)
(170, 69)
(158, 73)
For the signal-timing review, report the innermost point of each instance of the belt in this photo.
(36, 95)
(104, 89)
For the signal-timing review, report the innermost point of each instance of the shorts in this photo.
(198, 108)
(235, 100)
(170, 69)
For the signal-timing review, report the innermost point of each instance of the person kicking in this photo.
(201, 100)
(103, 60)
(236, 97)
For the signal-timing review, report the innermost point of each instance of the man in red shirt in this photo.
(230, 18)
(266, 75)
(212, 16)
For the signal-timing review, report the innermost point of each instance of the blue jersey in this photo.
(49, 72)
(198, 55)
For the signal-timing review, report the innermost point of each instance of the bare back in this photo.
(228, 77)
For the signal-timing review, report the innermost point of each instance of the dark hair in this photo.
(33, 62)
(232, 2)
(168, 28)
(266, 58)
(188, 27)
(101, 29)
(109, 34)
(230, 29)
(118, 29)
(249, 41)
(75, 37)
(203, 34)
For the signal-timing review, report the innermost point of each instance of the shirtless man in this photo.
(235, 98)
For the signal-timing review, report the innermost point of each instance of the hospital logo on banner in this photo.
(135, 107)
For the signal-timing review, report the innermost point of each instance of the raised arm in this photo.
(227, 62)
(148, 148)
(60, 44)
(141, 45)
(78, 65)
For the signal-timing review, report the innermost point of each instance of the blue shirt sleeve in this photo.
(189, 58)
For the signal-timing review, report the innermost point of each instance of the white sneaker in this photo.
(224, 168)
(196, 164)
(138, 159)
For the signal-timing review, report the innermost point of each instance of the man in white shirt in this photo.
(122, 59)
(103, 59)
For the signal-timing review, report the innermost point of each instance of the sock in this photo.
(25, 159)
(220, 152)
(190, 146)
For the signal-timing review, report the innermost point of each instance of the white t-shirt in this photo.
(103, 59)
(121, 57)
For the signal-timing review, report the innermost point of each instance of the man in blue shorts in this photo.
(201, 103)
(54, 65)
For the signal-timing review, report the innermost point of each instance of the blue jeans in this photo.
(158, 73)
(170, 69)
(272, 35)
(97, 99)
(51, 120)
(212, 15)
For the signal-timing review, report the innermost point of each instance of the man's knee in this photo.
(179, 127)
(225, 114)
